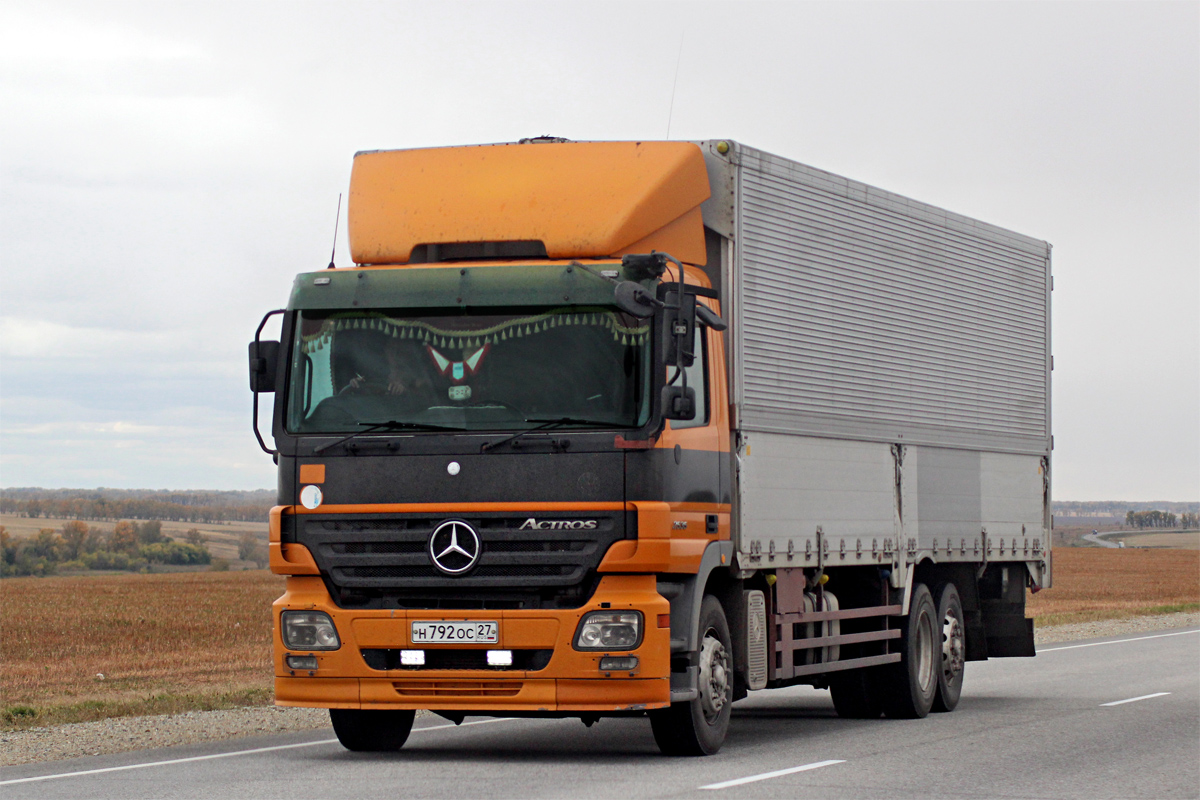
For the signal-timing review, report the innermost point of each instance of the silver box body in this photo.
(890, 369)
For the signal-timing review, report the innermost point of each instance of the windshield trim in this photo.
(403, 323)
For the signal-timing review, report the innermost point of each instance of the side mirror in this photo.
(634, 300)
(679, 402)
(264, 366)
(679, 329)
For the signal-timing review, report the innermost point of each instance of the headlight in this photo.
(609, 630)
(309, 630)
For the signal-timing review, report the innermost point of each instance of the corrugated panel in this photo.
(867, 315)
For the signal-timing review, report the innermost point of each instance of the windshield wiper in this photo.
(546, 424)
(386, 425)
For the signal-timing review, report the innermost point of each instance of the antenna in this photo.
(336, 220)
(674, 83)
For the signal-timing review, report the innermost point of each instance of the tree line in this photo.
(1161, 519)
(79, 546)
(1117, 508)
(115, 504)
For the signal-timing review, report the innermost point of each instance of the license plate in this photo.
(437, 632)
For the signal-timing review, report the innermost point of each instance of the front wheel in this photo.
(698, 727)
(371, 731)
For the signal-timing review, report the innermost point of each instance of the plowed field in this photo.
(1092, 583)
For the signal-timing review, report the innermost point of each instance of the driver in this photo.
(407, 375)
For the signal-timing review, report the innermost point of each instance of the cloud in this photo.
(27, 338)
(168, 167)
(28, 37)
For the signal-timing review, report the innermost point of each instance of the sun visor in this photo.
(579, 199)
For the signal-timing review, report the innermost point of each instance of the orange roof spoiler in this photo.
(579, 199)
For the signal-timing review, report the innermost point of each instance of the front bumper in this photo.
(570, 682)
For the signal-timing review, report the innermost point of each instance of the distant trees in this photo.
(251, 549)
(123, 539)
(174, 553)
(121, 504)
(1118, 508)
(129, 547)
(1151, 519)
(150, 532)
(1189, 521)
(74, 535)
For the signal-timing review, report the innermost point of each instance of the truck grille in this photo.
(382, 561)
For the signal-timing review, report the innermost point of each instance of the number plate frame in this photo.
(437, 631)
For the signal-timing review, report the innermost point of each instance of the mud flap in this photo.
(1008, 635)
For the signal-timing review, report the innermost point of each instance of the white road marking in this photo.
(776, 774)
(223, 755)
(1118, 641)
(1134, 699)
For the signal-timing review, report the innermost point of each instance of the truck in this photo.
(612, 429)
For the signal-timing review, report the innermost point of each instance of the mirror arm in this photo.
(257, 337)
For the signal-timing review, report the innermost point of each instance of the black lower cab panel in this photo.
(523, 660)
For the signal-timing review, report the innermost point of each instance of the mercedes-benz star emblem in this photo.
(454, 547)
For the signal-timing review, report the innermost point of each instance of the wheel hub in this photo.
(714, 676)
(953, 647)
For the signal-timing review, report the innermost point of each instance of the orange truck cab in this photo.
(516, 475)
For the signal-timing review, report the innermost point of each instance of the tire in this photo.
(698, 727)
(856, 694)
(371, 731)
(953, 649)
(910, 686)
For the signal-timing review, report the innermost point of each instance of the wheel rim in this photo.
(925, 650)
(953, 647)
(714, 676)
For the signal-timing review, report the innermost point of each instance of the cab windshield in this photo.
(469, 369)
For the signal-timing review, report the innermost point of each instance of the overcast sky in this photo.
(166, 168)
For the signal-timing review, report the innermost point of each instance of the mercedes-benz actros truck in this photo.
(596, 429)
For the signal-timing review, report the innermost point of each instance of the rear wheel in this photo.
(698, 727)
(910, 686)
(856, 694)
(953, 648)
(371, 731)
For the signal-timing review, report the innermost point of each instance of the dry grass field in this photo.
(1092, 583)
(1186, 540)
(167, 643)
(162, 643)
(221, 539)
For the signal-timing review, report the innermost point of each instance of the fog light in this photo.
(499, 658)
(618, 663)
(412, 658)
(302, 662)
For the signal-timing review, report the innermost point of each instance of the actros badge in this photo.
(454, 547)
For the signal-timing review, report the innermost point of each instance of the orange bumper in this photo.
(572, 681)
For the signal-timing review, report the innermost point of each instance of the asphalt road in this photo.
(1095, 538)
(1111, 718)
